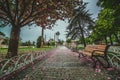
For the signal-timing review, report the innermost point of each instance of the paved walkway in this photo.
(63, 65)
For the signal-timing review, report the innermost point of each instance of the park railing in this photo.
(114, 56)
(9, 66)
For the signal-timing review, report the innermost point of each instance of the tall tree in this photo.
(104, 23)
(113, 5)
(57, 35)
(19, 13)
(42, 37)
(38, 44)
(78, 24)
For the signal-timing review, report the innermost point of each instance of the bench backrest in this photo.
(91, 48)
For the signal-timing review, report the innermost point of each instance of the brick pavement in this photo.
(63, 65)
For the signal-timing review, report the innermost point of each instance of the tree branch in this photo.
(29, 16)
(8, 12)
(28, 22)
(16, 11)
(22, 10)
(5, 12)
(1, 17)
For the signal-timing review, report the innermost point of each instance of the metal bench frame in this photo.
(95, 57)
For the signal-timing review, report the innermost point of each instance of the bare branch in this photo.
(9, 11)
(27, 22)
(16, 11)
(31, 12)
(22, 10)
(3, 18)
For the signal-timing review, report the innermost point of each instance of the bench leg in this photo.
(103, 65)
(81, 55)
(108, 64)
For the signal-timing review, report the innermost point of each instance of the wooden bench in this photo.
(95, 51)
(89, 49)
(100, 55)
(106, 55)
(110, 57)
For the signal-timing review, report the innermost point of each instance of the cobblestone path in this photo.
(64, 65)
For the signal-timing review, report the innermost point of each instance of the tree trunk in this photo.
(111, 40)
(83, 38)
(42, 38)
(116, 37)
(106, 40)
(13, 42)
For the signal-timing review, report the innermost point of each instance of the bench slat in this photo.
(90, 48)
(97, 51)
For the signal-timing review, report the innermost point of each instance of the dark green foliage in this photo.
(68, 40)
(5, 41)
(2, 34)
(61, 42)
(38, 44)
(28, 43)
(33, 43)
(57, 33)
(80, 24)
(52, 43)
(107, 26)
(80, 47)
(113, 4)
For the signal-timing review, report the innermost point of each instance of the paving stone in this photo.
(63, 65)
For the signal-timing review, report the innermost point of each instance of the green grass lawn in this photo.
(23, 50)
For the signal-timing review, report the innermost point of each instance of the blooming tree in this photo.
(19, 13)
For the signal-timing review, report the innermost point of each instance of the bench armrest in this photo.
(97, 52)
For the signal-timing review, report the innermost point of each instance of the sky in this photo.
(33, 32)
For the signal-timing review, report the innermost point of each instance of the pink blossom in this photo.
(98, 66)
(26, 77)
(110, 69)
(108, 78)
(33, 67)
(98, 70)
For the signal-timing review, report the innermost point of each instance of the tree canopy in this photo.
(44, 12)
(80, 23)
(108, 24)
(19, 13)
